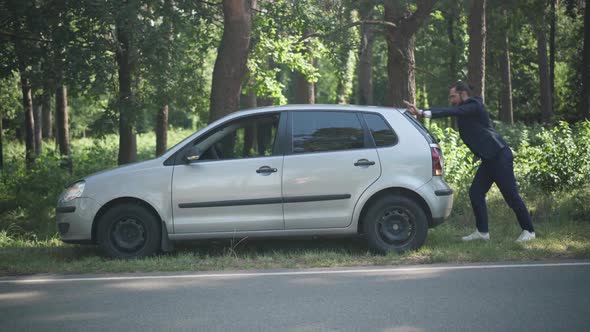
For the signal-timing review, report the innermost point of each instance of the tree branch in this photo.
(419, 16)
(13, 35)
(348, 26)
(210, 3)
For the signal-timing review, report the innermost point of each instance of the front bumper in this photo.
(74, 219)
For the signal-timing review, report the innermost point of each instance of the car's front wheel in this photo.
(128, 231)
(395, 223)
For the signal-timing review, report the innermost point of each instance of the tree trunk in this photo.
(552, 30)
(400, 48)
(546, 103)
(232, 55)
(366, 96)
(476, 66)
(506, 113)
(162, 131)
(126, 64)
(453, 58)
(29, 121)
(586, 65)
(63, 129)
(37, 116)
(163, 83)
(47, 116)
(400, 63)
(1, 138)
(304, 89)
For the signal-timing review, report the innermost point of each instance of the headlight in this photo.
(73, 191)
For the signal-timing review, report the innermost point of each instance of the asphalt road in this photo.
(498, 297)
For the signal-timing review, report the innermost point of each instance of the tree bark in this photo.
(47, 116)
(162, 131)
(1, 138)
(400, 48)
(553, 28)
(165, 56)
(476, 67)
(304, 89)
(366, 96)
(586, 65)
(29, 120)
(232, 55)
(63, 129)
(506, 112)
(545, 86)
(126, 64)
(453, 57)
(37, 119)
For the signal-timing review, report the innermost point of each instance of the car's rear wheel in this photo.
(128, 231)
(395, 223)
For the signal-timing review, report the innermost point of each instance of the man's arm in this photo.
(469, 108)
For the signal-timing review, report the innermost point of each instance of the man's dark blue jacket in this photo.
(475, 127)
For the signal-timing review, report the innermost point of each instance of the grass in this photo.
(555, 240)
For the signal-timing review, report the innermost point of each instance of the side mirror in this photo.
(191, 155)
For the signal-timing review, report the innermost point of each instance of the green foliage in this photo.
(554, 160)
(559, 157)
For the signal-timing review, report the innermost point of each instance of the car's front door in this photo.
(331, 162)
(235, 185)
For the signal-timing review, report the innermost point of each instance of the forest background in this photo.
(91, 84)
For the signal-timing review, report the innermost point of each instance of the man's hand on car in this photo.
(413, 109)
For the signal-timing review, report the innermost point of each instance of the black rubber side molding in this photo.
(444, 192)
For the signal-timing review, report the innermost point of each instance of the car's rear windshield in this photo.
(429, 137)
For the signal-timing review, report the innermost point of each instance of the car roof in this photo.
(316, 107)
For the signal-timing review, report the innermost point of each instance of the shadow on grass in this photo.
(355, 245)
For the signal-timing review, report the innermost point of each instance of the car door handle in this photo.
(364, 162)
(266, 169)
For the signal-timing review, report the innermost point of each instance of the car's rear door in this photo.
(330, 161)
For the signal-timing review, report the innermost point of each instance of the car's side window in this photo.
(242, 138)
(326, 131)
(382, 133)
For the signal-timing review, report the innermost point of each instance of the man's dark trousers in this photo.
(497, 170)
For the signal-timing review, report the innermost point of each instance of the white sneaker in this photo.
(476, 236)
(526, 236)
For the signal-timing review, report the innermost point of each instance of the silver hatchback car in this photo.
(294, 170)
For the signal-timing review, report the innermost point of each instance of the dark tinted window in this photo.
(382, 133)
(429, 137)
(326, 131)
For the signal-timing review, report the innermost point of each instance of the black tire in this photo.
(129, 231)
(395, 223)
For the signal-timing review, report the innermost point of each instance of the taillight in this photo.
(437, 163)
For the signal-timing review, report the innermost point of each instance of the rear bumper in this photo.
(439, 197)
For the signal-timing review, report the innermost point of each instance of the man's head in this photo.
(459, 92)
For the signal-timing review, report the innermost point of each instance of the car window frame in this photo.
(288, 148)
(278, 147)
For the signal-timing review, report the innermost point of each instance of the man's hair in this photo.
(462, 86)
